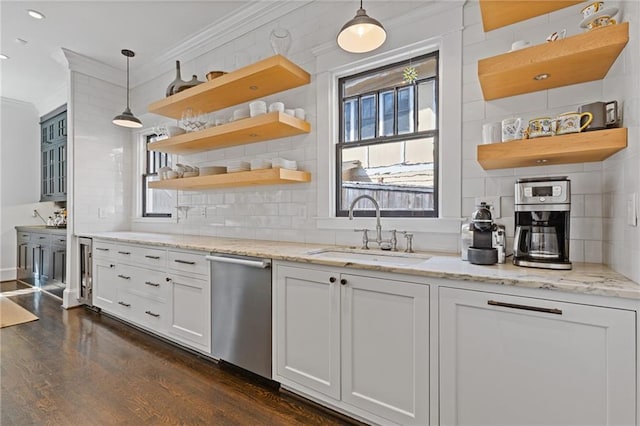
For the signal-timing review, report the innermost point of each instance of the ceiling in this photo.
(95, 29)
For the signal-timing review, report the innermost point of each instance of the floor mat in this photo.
(12, 314)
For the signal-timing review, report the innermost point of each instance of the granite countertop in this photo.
(585, 278)
(42, 229)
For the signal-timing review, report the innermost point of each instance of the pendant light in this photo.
(127, 119)
(362, 33)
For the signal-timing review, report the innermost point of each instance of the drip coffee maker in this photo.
(542, 213)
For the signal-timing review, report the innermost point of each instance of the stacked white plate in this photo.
(238, 166)
(284, 164)
(260, 163)
(212, 170)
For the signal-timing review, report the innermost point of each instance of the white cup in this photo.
(276, 106)
(257, 108)
(290, 112)
(299, 113)
(520, 44)
(491, 132)
(512, 129)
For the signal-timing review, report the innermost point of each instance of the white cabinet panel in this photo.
(191, 311)
(308, 328)
(104, 283)
(385, 348)
(507, 360)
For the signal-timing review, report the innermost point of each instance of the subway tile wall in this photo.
(102, 156)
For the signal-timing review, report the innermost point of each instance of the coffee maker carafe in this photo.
(542, 213)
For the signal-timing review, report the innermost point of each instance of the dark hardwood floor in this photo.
(78, 367)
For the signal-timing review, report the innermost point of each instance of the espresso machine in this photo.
(482, 251)
(542, 213)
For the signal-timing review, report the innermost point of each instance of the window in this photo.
(388, 143)
(155, 202)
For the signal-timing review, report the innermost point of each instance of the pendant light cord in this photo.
(128, 81)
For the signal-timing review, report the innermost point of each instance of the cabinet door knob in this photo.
(332, 279)
(343, 281)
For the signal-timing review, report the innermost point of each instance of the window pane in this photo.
(399, 175)
(426, 106)
(368, 130)
(405, 110)
(351, 120)
(157, 201)
(386, 113)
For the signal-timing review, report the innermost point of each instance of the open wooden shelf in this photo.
(229, 180)
(272, 75)
(500, 13)
(573, 148)
(273, 125)
(577, 59)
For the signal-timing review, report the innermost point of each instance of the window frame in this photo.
(380, 140)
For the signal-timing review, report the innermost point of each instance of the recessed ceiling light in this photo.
(542, 76)
(35, 14)
(3, 56)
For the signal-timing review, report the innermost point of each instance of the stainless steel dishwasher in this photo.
(241, 311)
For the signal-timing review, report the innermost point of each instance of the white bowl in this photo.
(172, 174)
(174, 131)
(240, 113)
(190, 174)
(284, 164)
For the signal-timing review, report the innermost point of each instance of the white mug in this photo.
(491, 132)
(511, 129)
(520, 44)
(276, 106)
(299, 113)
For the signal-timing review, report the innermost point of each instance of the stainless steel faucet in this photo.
(377, 207)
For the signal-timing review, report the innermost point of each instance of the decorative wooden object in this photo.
(266, 77)
(572, 148)
(500, 13)
(273, 125)
(577, 59)
(229, 180)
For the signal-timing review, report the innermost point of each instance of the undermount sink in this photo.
(375, 256)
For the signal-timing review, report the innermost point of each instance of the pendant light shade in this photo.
(127, 119)
(362, 33)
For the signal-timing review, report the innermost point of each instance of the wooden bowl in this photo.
(215, 74)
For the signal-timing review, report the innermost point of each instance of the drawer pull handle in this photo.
(112, 265)
(102, 249)
(152, 284)
(126, 305)
(63, 241)
(124, 277)
(186, 262)
(526, 307)
(125, 252)
(152, 314)
(152, 257)
(42, 238)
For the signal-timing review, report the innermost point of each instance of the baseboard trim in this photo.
(8, 274)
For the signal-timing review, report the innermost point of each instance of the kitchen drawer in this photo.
(103, 249)
(142, 256)
(59, 241)
(151, 313)
(145, 282)
(191, 262)
(125, 253)
(44, 239)
(125, 304)
(23, 237)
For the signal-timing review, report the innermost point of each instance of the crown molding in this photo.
(17, 102)
(86, 65)
(226, 29)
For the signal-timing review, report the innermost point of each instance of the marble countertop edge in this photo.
(584, 278)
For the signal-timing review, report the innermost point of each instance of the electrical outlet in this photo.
(632, 209)
(203, 211)
(494, 205)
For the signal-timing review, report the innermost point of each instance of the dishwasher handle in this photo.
(263, 264)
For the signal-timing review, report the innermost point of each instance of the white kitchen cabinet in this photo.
(164, 291)
(385, 347)
(307, 326)
(190, 316)
(105, 284)
(509, 360)
(361, 340)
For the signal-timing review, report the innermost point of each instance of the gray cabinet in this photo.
(41, 256)
(53, 158)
